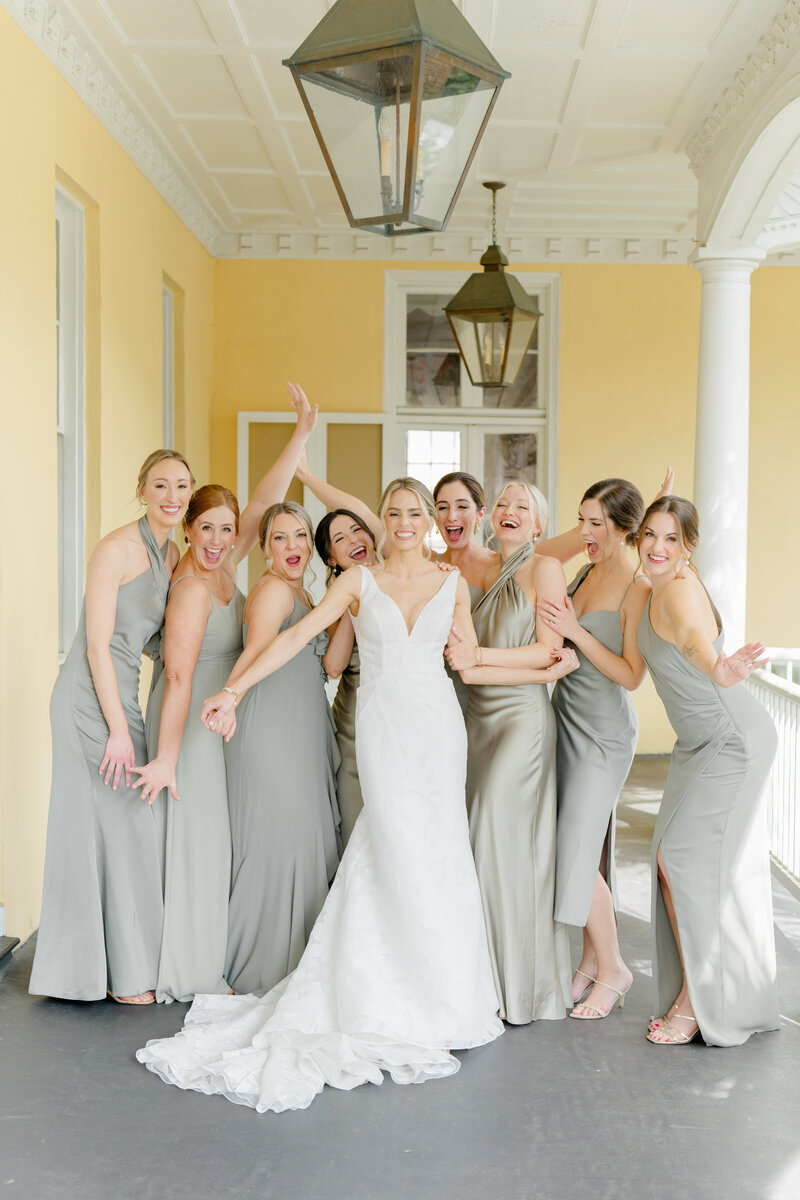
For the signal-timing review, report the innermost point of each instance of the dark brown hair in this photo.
(211, 495)
(322, 538)
(688, 522)
(472, 485)
(622, 502)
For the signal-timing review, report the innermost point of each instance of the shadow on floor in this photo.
(552, 1111)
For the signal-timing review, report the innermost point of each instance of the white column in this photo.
(722, 433)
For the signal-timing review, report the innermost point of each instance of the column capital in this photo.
(717, 266)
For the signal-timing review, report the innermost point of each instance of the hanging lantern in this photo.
(398, 93)
(492, 317)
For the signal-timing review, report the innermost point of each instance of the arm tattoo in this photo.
(687, 651)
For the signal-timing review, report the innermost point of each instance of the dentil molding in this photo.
(68, 50)
(766, 58)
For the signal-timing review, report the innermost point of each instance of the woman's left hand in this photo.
(445, 566)
(559, 617)
(734, 668)
(155, 776)
(216, 714)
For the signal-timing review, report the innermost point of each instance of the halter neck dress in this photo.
(197, 852)
(511, 801)
(281, 765)
(712, 832)
(102, 907)
(597, 730)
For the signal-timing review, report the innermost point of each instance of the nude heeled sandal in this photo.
(678, 1038)
(601, 1013)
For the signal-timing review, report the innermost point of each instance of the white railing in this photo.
(785, 662)
(781, 698)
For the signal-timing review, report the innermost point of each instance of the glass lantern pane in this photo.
(506, 457)
(522, 326)
(454, 104)
(367, 137)
(433, 366)
(522, 394)
(466, 334)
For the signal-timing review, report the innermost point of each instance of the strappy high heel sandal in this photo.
(677, 1038)
(139, 999)
(598, 1014)
(589, 985)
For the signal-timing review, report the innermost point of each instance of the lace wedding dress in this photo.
(396, 972)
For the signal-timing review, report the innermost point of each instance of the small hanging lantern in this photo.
(398, 93)
(492, 317)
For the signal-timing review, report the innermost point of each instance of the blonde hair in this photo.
(153, 460)
(287, 508)
(537, 500)
(405, 483)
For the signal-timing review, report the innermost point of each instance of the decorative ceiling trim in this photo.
(68, 50)
(781, 37)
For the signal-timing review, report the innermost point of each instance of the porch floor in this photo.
(552, 1111)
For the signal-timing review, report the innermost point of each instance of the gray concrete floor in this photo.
(552, 1111)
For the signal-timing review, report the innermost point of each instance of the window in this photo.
(70, 273)
(437, 421)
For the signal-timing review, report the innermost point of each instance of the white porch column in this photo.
(722, 432)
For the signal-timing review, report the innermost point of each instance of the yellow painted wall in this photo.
(133, 239)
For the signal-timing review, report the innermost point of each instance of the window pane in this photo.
(433, 367)
(522, 394)
(430, 454)
(506, 457)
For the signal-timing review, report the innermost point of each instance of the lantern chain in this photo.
(494, 218)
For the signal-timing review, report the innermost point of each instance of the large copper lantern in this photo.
(492, 317)
(398, 93)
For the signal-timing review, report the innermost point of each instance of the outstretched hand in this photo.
(733, 668)
(667, 485)
(153, 777)
(218, 715)
(560, 617)
(306, 413)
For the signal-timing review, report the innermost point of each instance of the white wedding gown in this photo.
(396, 972)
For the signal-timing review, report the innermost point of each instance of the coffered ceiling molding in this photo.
(67, 47)
(769, 54)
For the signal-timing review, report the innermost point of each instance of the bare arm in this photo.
(273, 487)
(340, 647)
(187, 614)
(628, 670)
(688, 615)
(267, 658)
(563, 546)
(334, 498)
(107, 567)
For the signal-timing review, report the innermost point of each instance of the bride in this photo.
(396, 972)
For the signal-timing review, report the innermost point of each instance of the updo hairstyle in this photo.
(153, 460)
(622, 502)
(537, 502)
(322, 538)
(211, 495)
(290, 508)
(472, 485)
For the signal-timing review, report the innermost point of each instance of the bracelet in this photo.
(478, 656)
(235, 695)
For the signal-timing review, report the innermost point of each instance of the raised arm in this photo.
(334, 498)
(187, 615)
(627, 669)
(341, 640)
(272, 488)
(253, 667)
(107, 567)
(686, 610)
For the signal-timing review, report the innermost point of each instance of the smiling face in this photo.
(661, 547)
(289, 547)
(166, 491)
(211, 537)
(514, 520)
(457, 515)
(406, 520)
(601, 536)
(350, 545)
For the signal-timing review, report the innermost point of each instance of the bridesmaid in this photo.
(596, 733)
(102, 907)
(281, 774)
(511, 779)
(460, 508)
(712, 901)
(342, 539)
(202, 641)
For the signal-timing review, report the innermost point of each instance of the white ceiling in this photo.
(590, 133)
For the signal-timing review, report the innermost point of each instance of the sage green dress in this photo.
(281, 765)
(348, 788)
(712, 832)
(197, 855)
(511, 801)
(102, 908)
(596, 729)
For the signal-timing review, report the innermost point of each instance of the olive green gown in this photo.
(281, 764)
(511, 800)
(102, 907)
(712, 832)
(197, 870)
(348, 788)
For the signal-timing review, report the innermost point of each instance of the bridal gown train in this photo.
(396, 972)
